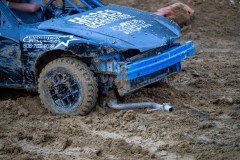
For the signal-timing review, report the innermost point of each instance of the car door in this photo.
(11, 73)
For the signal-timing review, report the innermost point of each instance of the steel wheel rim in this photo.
(64, 90)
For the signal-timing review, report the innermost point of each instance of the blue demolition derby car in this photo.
(72, 52)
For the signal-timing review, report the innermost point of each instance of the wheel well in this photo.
(49, 56)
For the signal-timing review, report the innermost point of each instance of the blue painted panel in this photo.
(150, 65)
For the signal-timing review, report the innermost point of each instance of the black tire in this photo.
(66, 86)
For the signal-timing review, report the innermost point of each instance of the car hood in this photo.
(119, 27)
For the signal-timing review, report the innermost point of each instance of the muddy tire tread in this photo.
(81, 70)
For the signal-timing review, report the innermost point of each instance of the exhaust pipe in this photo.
(155, 106)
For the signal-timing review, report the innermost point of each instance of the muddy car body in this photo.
(74, 52)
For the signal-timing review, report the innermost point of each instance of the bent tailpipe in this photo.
(154, 106)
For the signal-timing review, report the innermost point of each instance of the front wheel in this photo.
(66, 86)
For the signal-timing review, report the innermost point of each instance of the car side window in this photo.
(4, 23)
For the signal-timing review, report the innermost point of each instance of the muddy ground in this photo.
(206, 96)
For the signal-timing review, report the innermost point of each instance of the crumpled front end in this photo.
(142, 72)
(141, 69)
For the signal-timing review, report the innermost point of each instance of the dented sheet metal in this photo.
(135, 75)
(10, 63)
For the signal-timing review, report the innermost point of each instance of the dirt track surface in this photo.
(206, 96)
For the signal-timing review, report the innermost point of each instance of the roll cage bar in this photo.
(89, 4)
